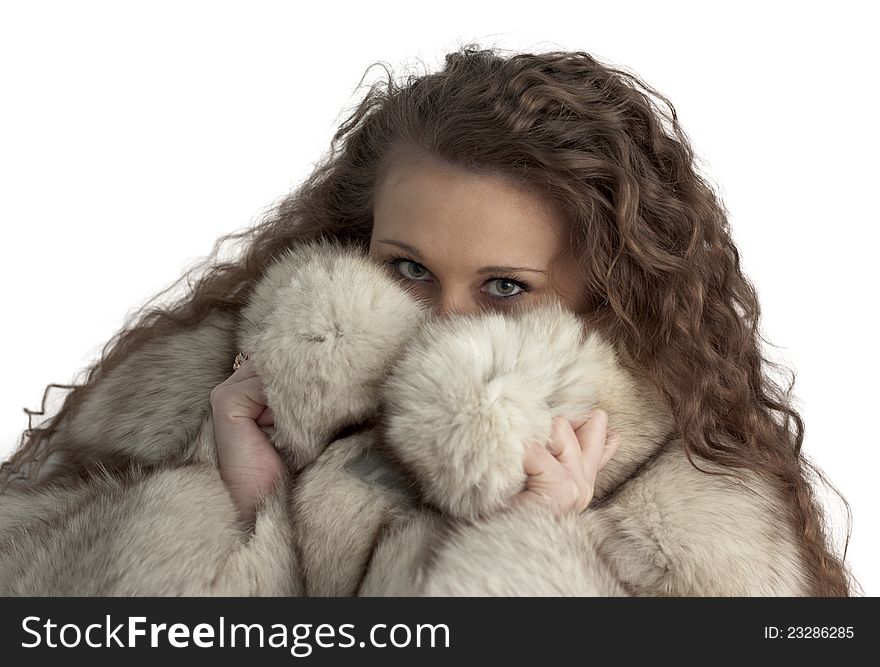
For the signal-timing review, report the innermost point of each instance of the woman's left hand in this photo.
(563, 474)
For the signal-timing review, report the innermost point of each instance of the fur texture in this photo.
(404, 436)
(326, 327)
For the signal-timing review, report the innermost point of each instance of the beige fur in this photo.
(170, 532)
(470, 392)
(326, 326)
(404, 436)
(151, 407)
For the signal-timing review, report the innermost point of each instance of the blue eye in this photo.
(505, 287)
(418, 274)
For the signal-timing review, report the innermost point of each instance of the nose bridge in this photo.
(454, 301)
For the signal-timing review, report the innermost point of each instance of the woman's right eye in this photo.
(414, 270)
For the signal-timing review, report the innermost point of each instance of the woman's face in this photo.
(469, 242)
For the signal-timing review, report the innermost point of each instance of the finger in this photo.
(245, 399)
(565, 446)
(592, 437)
(576, 424)
(556, 443)
(547, 479)
(611, 445)
(266, 418)
(538, 462)
(247, 369)
(595, 439)
(243, 372)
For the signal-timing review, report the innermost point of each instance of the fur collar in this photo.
(459, 396)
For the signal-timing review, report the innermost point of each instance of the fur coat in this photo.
(404, 437)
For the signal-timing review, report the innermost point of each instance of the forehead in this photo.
(442, 209)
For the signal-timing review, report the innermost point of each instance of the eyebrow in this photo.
(485, 269)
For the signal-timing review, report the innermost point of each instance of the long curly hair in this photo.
(651, 237)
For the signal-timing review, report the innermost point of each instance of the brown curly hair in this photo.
(652, 239)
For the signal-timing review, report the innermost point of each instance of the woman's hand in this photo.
(564, 475)
(249, 464)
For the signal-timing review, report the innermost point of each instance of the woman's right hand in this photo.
(249, 464)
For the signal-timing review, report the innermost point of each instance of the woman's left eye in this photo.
(506, 288)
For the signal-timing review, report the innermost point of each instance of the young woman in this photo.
(493, 184)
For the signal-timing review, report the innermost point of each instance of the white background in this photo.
(133, 135)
